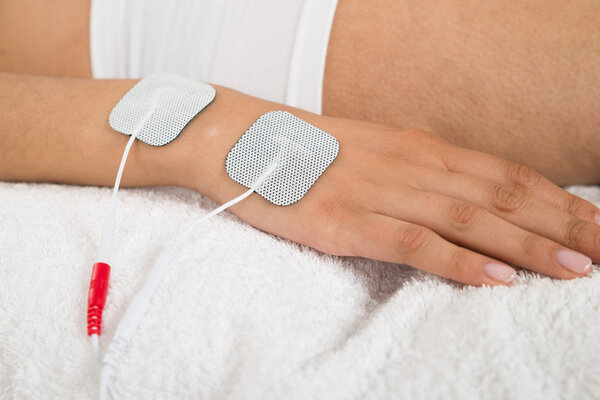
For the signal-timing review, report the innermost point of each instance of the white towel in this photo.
(245, 315)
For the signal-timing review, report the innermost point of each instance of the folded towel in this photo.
(245, 315)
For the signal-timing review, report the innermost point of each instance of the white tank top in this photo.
(272, 49)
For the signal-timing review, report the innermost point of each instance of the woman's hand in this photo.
(410, 197)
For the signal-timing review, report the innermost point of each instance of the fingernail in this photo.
(499, 272)
(573, 261)
(597, 218)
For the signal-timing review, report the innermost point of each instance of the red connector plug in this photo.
(97, 297)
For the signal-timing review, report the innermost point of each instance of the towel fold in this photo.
(245, 315)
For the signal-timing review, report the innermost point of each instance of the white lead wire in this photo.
(108, 231)
(96, 347)
(141, 301)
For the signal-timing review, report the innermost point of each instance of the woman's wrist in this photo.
(200, 152)
(190, 161)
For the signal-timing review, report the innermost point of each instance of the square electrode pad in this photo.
(172, 100)
(303, 151)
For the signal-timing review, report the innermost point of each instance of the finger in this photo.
(519, 208)
(496, 169)
(474, 227)
(388, 239)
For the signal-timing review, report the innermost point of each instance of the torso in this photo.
(501, 77)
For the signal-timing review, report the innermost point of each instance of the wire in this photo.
(141, 301)
(96, 347)
(108, 231)
(106, 241)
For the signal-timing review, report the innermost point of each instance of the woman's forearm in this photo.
(56, 130)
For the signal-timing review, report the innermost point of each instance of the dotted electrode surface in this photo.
(304, 153)
(175, 100)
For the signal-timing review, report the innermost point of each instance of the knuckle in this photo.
(412, 239)
(437, 149)
(573, 205)
(521, 176)
(426, 138)
(463, 215)
(575, 232)
(507, 199)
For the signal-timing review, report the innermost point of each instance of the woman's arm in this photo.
(56, 130)
(399, 196)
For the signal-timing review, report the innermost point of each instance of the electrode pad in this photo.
(304, 152)
(175, 101)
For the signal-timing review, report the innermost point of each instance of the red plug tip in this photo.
(97, 297)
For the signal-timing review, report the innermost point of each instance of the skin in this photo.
(519, 80)
(408, 197)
